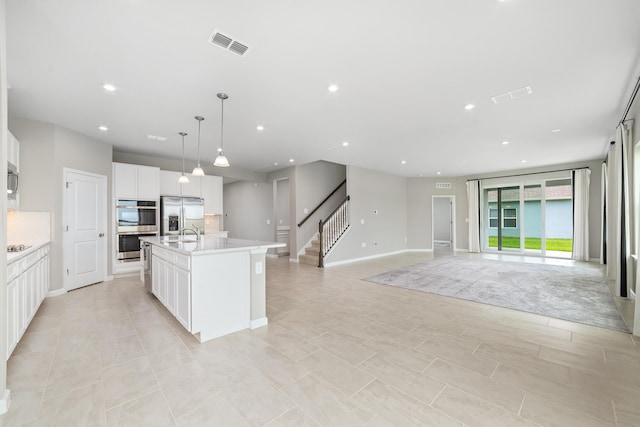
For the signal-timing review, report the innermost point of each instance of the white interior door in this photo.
(443, 221)
(84, 230)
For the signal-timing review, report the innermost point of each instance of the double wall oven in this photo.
(134, 219)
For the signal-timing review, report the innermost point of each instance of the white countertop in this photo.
(12, 256)
(208, 244)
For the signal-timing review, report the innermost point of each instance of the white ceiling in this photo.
(405, 70)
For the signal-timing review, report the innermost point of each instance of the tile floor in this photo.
(338, 351)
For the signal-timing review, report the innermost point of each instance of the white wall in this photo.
(247, 207)
(45, 150)
(383, 232)
(3, 199)
(283, 202)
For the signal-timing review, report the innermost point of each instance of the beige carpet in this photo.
(578, 294)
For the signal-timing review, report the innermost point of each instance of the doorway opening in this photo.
(443, 223)
(281, 214)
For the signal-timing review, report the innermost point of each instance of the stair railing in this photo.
(322, 203)
(331, 229)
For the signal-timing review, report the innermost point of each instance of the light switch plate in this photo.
(259, 267)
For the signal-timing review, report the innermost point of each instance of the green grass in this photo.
(562, 245)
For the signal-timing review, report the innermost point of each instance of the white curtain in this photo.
(581, 179)
(473, 198)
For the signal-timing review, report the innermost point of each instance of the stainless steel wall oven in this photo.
(134, 219)
(139, 216)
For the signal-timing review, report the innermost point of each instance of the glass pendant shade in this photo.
(197, 171)
(221, 161)
(184, 179)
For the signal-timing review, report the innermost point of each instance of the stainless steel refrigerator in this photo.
(177, 213)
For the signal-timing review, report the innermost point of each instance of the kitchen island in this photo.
(212, 285)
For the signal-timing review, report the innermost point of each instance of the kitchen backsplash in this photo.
(211, 223)
(28, 227)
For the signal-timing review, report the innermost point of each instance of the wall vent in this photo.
(228, 43)
(443, 185)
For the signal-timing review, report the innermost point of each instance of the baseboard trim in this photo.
(272, 256)
(293, 260)
(108, 278)
(350, 261)
(56, 293)
(259, 323)
(418, 250)
(5, 401)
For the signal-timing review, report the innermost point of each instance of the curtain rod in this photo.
(631, 100)
(530, 173)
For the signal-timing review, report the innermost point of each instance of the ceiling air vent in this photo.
(443, 185)
(512, 94)
(228, 43)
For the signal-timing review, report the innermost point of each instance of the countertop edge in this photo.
(15, 256)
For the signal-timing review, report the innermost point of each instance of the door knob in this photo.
(101, 235)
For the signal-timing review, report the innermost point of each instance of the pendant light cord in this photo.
(222, 128)
(199, 121)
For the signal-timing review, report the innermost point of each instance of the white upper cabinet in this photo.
(135, 182)
(169, 185)
(212, 194)
(148, 182)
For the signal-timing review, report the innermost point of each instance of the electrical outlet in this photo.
(259, 267)
(362, 221)
(268, 222)
(364, 244)
(305, 210)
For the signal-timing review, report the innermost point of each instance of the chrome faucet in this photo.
(192, 228)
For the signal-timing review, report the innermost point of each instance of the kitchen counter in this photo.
(14, 256)
(208, 244)
(213, 286)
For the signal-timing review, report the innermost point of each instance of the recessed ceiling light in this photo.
(275, 164)
(404, 162)
(556, 130)
(420, 175)
(260, 128)
(469, 107)
(505, 142)
(345, 143)
(103, 128)
(523, 161)
(333, 88)
(109, 87)
(438, 173)
(291, 160)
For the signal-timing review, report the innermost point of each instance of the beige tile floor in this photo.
(338, 351)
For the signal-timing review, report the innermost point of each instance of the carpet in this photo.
(574, 293)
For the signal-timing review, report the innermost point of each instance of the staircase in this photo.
(311, 253)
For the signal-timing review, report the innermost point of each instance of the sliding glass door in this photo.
(533, 218)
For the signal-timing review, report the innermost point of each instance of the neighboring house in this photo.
(558, 218)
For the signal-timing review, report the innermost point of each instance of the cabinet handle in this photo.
(101, 235)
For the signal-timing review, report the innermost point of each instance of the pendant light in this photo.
(221, 160)
(183, 178)
(197, 171)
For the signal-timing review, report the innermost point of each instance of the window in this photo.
(493, 218)
(509, 218)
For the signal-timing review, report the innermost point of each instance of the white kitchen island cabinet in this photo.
(213, 286)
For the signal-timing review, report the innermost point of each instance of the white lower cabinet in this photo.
(27, 286)
(171, 283)
(183, 297)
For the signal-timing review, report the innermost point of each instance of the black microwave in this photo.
(136, 216)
